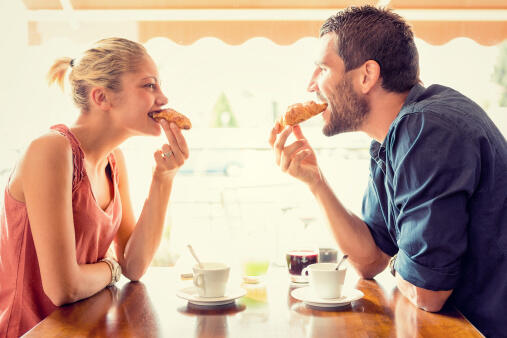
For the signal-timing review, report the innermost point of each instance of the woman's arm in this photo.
(143, 239)
(136, 243)
(46, 176)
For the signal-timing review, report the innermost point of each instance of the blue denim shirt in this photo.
(437, 197)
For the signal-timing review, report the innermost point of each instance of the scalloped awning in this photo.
(235, 21)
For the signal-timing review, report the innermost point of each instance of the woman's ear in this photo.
(370, 75)
(100, 98)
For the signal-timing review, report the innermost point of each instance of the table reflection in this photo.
(152, 309)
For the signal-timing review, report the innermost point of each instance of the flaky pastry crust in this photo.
(300, 112)
(171, 115)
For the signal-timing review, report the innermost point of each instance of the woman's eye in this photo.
(150, 85)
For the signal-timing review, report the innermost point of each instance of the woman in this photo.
(67, 200)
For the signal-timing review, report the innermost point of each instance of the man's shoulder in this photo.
(438, 99)
(442, 107)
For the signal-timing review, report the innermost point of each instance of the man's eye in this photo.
(150, 85)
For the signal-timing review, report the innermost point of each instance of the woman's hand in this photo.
(172, 156)
(298, 159)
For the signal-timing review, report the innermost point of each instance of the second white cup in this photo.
(325, 281)
(211, 279)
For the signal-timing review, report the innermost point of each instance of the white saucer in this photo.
(190, 294)
(306, 295)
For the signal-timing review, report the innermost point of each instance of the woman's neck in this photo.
(97, 136)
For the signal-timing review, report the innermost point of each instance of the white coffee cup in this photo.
(211, 279)
(325, 280)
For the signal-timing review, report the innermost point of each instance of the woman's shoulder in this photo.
(50, 147)
(48, 154)
(51, 144)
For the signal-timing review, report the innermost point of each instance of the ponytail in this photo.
(57, 71)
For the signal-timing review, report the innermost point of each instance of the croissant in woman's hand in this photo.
(171, 115)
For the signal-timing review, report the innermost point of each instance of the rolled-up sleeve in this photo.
(434, 172)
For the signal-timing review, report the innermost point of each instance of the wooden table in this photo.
(150, 308)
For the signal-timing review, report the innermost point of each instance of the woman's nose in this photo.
(162, 99)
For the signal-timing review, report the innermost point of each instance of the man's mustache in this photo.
(321, 97)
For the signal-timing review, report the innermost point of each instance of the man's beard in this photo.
(348, 110)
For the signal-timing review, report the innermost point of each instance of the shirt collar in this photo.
(377, 150)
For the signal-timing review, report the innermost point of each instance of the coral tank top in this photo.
(23, 302)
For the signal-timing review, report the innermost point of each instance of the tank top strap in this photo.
(114, 168)
(77, 154)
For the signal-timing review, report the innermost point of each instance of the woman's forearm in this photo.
(145, 239)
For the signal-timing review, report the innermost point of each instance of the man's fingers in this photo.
(288, 154)
(296, 161)
(300, 156)
(272, 137)
(298, 132)
(280, 144)
(277, 129)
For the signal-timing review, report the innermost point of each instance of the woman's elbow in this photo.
(134, 274)
(134, 270)
(62, 291)
(62, 296)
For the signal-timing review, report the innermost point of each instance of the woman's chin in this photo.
(155, 129)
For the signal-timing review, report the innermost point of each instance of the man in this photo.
(437, 195)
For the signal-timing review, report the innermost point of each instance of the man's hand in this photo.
(298, 159)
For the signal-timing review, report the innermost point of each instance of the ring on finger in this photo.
(167, 154)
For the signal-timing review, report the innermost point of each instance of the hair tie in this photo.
(72, 63)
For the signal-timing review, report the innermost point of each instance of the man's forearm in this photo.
(351, 233)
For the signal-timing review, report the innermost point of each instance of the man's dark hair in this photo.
(369, 33)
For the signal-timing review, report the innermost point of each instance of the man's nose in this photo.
(312, 86)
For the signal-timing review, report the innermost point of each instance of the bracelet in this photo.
(115, 269)
(391, 265)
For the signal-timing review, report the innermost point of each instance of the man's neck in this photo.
(384, 107)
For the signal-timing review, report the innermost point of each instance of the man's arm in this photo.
(427, 300)
(350, 232)
(354, 238)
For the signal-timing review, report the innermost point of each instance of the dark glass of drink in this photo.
(297, 260)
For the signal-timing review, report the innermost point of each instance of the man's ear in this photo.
(369, 75)
(100, 98)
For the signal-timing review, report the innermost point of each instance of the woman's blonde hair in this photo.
(102, 65)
